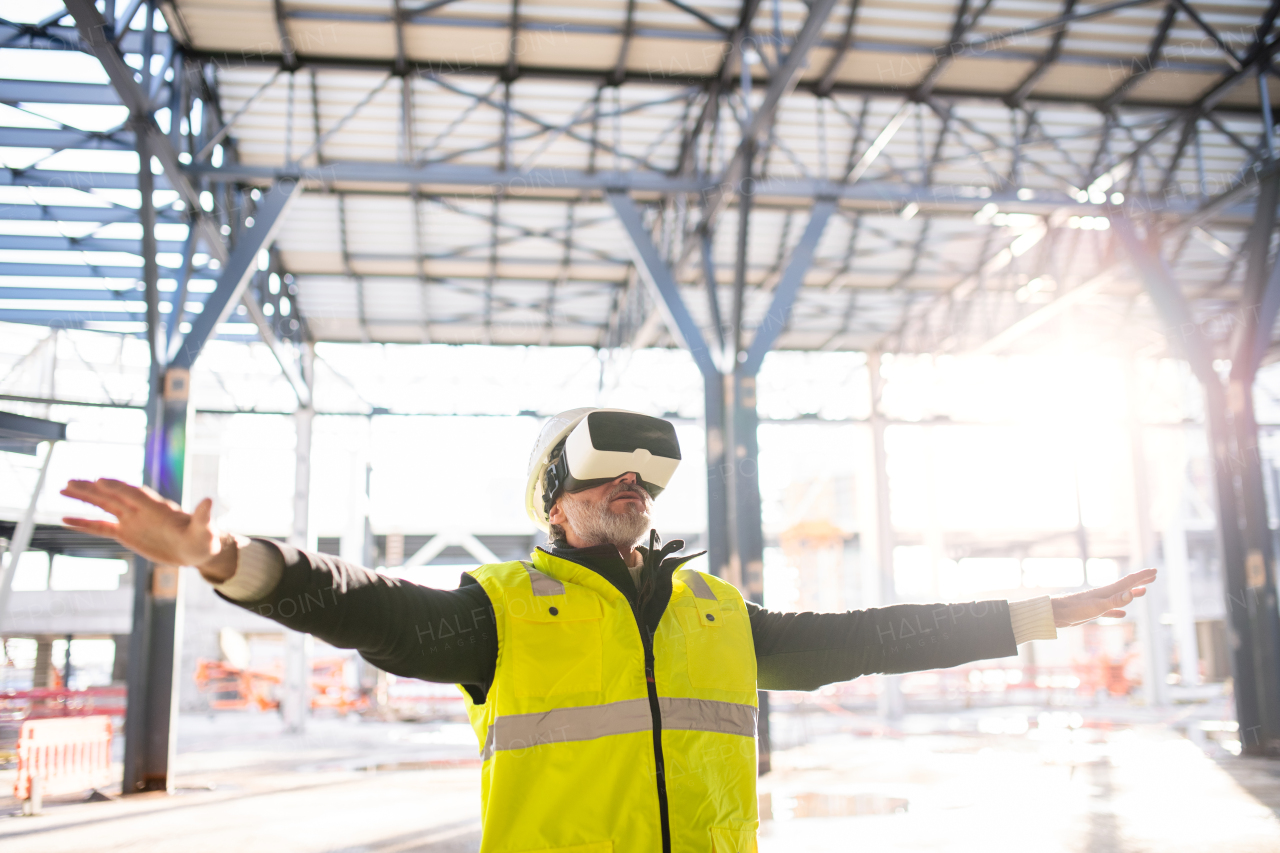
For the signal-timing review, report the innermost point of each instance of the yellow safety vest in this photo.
(569, 732)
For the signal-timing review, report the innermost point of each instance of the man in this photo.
(612, 690)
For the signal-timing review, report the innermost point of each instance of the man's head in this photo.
(594, 473)
(615, 513)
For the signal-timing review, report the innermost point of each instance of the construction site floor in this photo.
(1011, 779)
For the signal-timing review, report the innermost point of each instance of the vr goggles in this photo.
(607, 444)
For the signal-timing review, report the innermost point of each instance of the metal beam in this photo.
(62, 138)
(1163, 290)
(781, 84)
(1261, 295)
(1206, 103)
(784, 295)
(67, 38)
(83, 244)
(83, 181)
(701, 16)
(278, 349)
(1033, 77)
(657, 275)
(96, 33)
(966, 19)
(1047, 312)
(1117, 95)
(72, 213)
(651, 78)
(886, 196)
(51, 92)
(828, 80)
(268, 217)
(81, 270)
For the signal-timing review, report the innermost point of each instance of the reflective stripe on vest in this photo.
(520, 731)
(697, 584)
(542, 585)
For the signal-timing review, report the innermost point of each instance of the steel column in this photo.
(295, 705)
(155, 642)
(735, 539)
(890, 701)
(1152, 635)
(717, 439)
(1258, 307)
(1250, 580)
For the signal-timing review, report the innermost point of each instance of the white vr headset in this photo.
(607, 444)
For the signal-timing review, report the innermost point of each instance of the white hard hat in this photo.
(599, 445)
(553, 432)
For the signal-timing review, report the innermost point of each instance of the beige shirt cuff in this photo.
(258, 570)
(1032, 620)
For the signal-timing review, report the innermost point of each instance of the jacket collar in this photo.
(605, 561)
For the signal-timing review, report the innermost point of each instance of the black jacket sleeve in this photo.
(803, 651)
(398, 626)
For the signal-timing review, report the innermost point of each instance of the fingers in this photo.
(203, 512)
(94, 492)
(1113, 614)
(1122, 598)
(117, 497)
(1127, 588)
(1131, 580)
(130, 495)
(109, 529)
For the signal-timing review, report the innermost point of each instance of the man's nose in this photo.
(629, 477)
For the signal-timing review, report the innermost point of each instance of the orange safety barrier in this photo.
(67, 755)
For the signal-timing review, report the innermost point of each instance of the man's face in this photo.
(617, 512)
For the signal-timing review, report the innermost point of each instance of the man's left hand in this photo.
(1080, 607)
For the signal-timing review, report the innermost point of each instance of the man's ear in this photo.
(557, 514)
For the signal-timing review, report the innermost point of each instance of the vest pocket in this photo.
(555, 646)
(717, 639)
(725, 840)
(597, 847)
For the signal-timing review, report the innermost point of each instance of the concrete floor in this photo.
(1125, 781)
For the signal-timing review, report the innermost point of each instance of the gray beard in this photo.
(597, 524)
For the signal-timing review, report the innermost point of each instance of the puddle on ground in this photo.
(817, 804)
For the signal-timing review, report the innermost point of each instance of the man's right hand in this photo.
(156, 528)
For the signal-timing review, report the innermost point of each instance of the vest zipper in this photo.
(651, 683)
(659, 763)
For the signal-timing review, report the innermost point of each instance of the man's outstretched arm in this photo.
(401, 627)
(803, 651)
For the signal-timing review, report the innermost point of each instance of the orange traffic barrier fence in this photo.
(63, 756)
